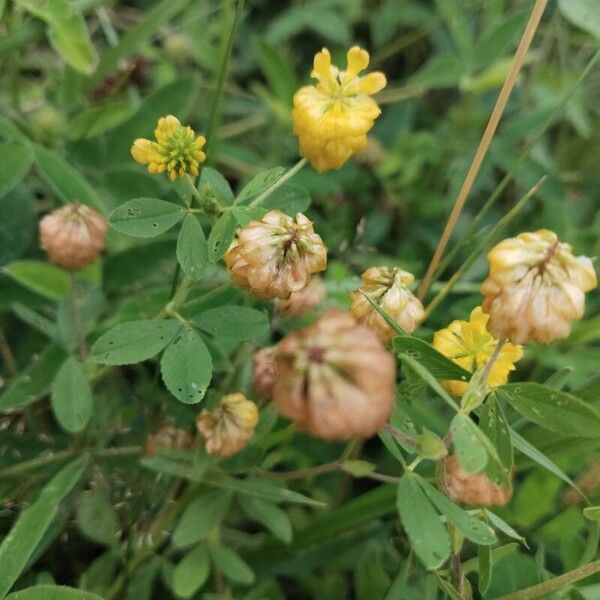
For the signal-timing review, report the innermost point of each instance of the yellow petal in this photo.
(143, 151)
(358, 60)
(371, 83)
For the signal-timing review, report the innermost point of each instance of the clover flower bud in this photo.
(430, 445)
(332, 118)
(176, 151)
(303, 300)
(276, 256)
(535, 288)
(471, 489)
(264, 371)
(167, 438)
(230, 426)
(470, 345)
(73, 235)
(334, 378)
(387, 288)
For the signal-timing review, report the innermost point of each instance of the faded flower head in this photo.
(276, 256)
(470, 345)
(332, 118)
(387, 288)
(535, 288)
(334, 378)
(230, 426)
(264, 371)
(303, 300)
(73, 235)
(475, 489)
(166, 438)
(176, 151)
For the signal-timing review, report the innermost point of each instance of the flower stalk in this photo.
(486, 140)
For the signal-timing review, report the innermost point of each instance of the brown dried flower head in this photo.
(230, 426)
(388, 288)
(276, 256)
(73, 235)
(166, 438)
(535, 288)
(303, 300)
(334, 378)
(588, 482)
(474, 489)
(264, 371)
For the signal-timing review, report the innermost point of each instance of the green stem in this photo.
(285, 177)
(556, 583)
(189, 182)
(208, 296)
(213, 121)
(178, 296)
(44, 460)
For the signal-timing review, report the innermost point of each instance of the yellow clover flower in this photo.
(176, 151)
(470, 345)
(332, 118)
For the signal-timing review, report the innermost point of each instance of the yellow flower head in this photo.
(470, 345)
(332, 118)
(176, 151)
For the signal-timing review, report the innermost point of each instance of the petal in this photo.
(358, 60)
(371, 83)
(142, 151)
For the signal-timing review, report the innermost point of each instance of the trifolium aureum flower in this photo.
(176, 151)
(276, 256)
(387, 288)
(334, 379)
(535, 288)
(230, 426)
(332, 118)
(470, 345)
(73, 235)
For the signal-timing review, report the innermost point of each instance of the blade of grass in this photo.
(487, 241)
(474, 225)
(486, 140)
(213, 120)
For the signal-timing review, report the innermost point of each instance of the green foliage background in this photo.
(71, 103)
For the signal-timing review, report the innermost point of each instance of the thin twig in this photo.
(490, 130)
(7, 355)
(482, 247)
(493, 358)
(399, 435)
(301, 473)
